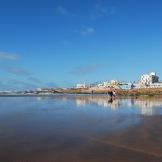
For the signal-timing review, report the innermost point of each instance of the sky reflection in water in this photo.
(43, 122)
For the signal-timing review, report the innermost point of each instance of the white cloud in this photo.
(88, 31)
(113, 11)
(34, 79)
(8, 56)
(99, 10)
(18, 71)
(13, 84)
(62, 10)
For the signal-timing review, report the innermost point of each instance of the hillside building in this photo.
(148, 79)
(81, 85)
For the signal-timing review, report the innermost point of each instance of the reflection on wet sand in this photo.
(80, 129)
(147, 106)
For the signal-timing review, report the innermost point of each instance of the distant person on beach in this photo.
(112, 94)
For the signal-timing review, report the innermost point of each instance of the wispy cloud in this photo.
(14, 84)
(34, 80)
(87, 31)
(99, 10)
(62, 10)
(51, 84)
(84, 70)
(22, 84)
(18, 71)
(8, 56)
(113, 11)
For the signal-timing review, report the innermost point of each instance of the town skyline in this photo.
(149, 80)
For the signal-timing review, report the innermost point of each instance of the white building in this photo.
(107, 84)
(81, 85)
(127, 86)
(104, 84)
(148, 79)
(156, 85)
(114, 82)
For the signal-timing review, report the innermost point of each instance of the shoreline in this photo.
(85, 94)
(150, 92)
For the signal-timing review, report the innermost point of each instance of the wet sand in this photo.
(52, 131)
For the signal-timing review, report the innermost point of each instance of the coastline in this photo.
(156, 92)
(119, 92)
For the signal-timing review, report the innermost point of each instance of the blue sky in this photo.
(58, 43)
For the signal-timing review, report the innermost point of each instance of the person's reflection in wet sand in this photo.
(111, 100)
